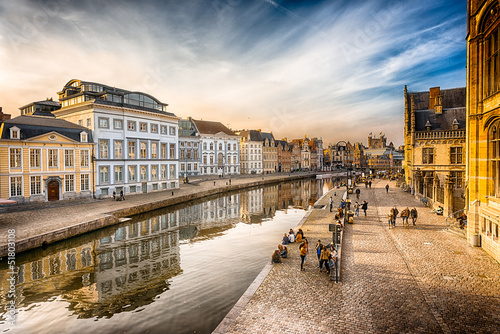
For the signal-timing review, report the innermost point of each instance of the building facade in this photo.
(435, 145)
(284, 153)
(136, 137)
(219, 148)
(45, 159)
(189, 148)
(269, 153)
(483, 125)
(251, 152)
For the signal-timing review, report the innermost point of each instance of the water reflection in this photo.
(126, 267)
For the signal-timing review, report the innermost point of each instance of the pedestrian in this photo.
(303, 253)
(364, 207)
(413, 215)
(214, 183)
(395, 213)
(404, 216)
(331, 203)
(325, 255)
(390, 218)
(366, 184)
(387, 188)
(229, 181)
(122, 197)
(342, 204)
(286, 241)
(114, 195)
(370, 184)
(356, 209)
(357, 193)
(318, 251)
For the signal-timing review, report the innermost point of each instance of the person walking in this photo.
(390, 218)
(370, 184)
(404, 216)
(386, 188)
(395, 213)
(413, 215)
(319, 246)
(331, 203)
(364, 207)
(357, 193)
(356, 209)
(303, 253)
(324, 257)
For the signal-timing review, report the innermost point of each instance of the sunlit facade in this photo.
(136, 138)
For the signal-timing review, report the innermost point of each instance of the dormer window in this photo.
(455, 124)
(83, 137)
(428, 126)
(15, 132)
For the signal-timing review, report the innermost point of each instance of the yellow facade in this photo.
(25, 173)
(483, 125)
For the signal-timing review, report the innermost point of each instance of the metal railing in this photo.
(452, 215)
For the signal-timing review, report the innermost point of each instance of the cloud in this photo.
(328, 69)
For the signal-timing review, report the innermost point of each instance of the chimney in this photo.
(433, 93)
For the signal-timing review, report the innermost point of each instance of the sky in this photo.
(333, 69)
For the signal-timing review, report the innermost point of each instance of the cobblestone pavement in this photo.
(37, 218)
(419, 279)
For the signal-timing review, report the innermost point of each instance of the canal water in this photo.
(174, 270)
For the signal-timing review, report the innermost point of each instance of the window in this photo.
(154, 128)
(89, 122)
(154, 172)
(16, 186)
(234, 147)
(69, 158)
(104, 174)
(172, 131)
(103, 123)
(118, 149)
(494, 156)
(84, 182)
(69, 183)
(144, 150)
(103, 148)
(456, 155)
(220, 146)
(204, 146)
(35, 158)
(163, 172)
(84, 137)
(36, 185)
(428, 155)
(211, 146)
(211, 159)
(182, 155)
(14, 132)
(172, 172)
(144, 173)
(131, 125)
(163, 151)
(195, 167)
(492, 55)
(53, 157)
(131, 149)
(154, 150)
(84, 158)
(195, 154)
(182, 168)
(143, 126)
(457, 178)
(118, 124)
(131, 174)
(172, 151)
(15, 158)
(163, 130)
(205, 159)
(118, 174)
(80, 122)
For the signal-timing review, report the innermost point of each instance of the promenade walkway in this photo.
(36, 219)
(418, 279)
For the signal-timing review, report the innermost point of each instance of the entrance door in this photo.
(144, 187)
(53, 190)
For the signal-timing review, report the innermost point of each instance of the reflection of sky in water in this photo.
(175, 270)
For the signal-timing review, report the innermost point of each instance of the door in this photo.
(53, 190)
(144, 187)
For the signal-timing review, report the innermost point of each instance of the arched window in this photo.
(220, 146)
(494, 158)
(220, 159)
(204, 146)
(211, 146)
(491, 53)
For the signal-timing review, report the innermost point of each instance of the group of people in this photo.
(327, 255)
(405, 215)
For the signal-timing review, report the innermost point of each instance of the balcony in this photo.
(450, 134)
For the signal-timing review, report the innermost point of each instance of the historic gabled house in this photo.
(483, 125)
(251, 152)
(435, 146)
(136, 138)
(269, 153)
(45, 159)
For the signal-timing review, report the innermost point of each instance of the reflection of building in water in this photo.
(223, 210)
(251, 204)
(270, 200)
(126, 266)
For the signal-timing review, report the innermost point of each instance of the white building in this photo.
(251, 152)
(136, 137)
(219, 148)
(189, 148)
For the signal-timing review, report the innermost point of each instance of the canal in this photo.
(175, 270)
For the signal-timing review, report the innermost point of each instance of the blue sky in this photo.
(330, 69)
